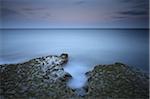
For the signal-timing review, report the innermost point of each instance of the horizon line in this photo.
(74, 28)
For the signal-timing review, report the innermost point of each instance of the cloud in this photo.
(137, 4)
(33, 9)
(6, 12)
(75, 12)
(39, 13)
(119, 17)
(10, 13)
(133, 1)
(36, 11)
(134, 13)
(79, 2)
(16, 9)
(136, 9)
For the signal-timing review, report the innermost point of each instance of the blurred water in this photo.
(86, 48)
(77, 70)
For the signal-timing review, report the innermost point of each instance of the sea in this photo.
(85, 47)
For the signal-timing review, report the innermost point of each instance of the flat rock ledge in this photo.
(45, 78)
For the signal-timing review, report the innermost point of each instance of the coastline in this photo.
(45, 77)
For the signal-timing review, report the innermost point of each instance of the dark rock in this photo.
(80, 92)
(38, 78)
(117, 81)
(65, 57)
(45, 78)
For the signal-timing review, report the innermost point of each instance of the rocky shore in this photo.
(117, 81)
(40, 78)
(45, 78)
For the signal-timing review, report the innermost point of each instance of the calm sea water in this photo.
(86, 48)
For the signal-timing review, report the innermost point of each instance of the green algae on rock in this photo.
(41, 77)
(45, 78)
(117, 81)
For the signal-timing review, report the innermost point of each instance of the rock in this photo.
(65, 57)
(80, 92)
(45, 78)
(117, 81)
(38, 78)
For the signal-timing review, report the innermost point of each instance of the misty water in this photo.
(86, 48)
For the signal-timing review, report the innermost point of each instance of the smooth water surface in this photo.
(86, 48)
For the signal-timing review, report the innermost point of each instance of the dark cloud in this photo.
(79, 2)
(67, 12)
(134, 1)
(36, 11)
(33, 9)
(137, 8)
(134, 13)
(8, 12)
(143, 6)
(125, 0)
(137, 4)
(119, 17)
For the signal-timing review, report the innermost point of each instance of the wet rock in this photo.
(117, 81)
(65, 57)
(38, 78)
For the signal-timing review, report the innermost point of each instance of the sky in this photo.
(74, 13)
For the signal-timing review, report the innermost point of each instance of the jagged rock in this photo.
(42, 77)
(117, 81)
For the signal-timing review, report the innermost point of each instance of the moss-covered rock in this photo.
(42, 77)
(45, 78)
(117, 81)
